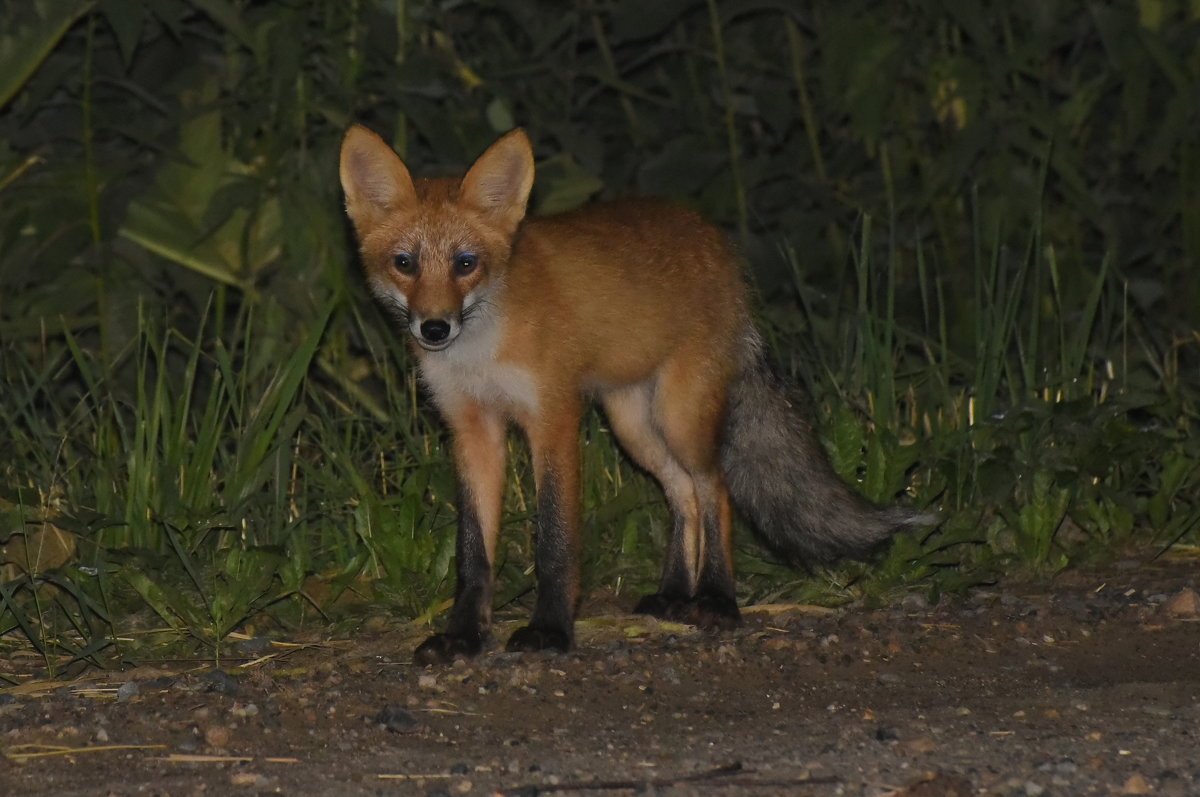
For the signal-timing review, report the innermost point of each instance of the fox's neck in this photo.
(472, 369)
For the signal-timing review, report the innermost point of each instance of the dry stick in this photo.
(198, 758)
(717, 776)
(44, 751)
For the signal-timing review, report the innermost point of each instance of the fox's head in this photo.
(435, 250)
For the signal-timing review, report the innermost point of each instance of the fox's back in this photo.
(615, 288)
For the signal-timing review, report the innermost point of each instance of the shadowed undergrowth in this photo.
(209, 428)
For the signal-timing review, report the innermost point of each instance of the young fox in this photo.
(638, 304)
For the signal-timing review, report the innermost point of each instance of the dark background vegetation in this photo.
(973, 227)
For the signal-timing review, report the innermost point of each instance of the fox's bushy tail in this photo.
(780, 478)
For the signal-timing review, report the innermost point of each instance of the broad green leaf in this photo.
(564, 184)
(634, 20)
(845, 437)
(126, 18)
(29, 35)
(227, 16)
(499, 115)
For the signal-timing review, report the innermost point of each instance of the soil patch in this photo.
(1090, 685)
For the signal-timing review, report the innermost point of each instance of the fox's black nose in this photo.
(435, 330)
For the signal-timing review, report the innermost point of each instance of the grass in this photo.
(235, 486)
(209, 428)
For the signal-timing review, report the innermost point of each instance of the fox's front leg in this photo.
(554, 443)
(479, 447)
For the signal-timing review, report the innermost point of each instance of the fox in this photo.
(637, 304)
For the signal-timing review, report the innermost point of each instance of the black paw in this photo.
(715, 611)
(531, 638)
(664, 607)
(445, 648)
(709, 610)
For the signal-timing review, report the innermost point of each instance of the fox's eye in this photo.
(404, 263)
(465, 263)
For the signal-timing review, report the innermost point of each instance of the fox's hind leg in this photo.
(697, 582)
(689, 407)
(630, 415)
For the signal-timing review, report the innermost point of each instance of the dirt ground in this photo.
(1087, 685)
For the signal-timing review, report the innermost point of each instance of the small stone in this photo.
(1062, 766)
(939, 784)
(397, 719)
(886, 734)
(242, 711)
(220, 682)
(1136, 784)
(217, 736)
(245, 779)
(922, 745)
(1184, 604)
(254, 646)
(127, 690)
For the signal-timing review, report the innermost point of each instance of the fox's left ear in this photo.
(499, 182)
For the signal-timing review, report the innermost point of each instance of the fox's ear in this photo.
(374, 178)
(499, 182)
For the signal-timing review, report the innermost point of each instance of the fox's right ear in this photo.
(374, 178)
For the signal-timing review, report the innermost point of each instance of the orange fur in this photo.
(639, 304)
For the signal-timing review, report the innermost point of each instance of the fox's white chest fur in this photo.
(469, 369)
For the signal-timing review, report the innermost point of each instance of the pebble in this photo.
(219, 682)
(887, 734)
(1063, 766)
(254, 646)
(217, 736)
(242, 711)
(397, 719)
(1137, 784)
(922, 745)
(245, 779)
(1184, 604)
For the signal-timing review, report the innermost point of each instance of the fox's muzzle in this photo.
(434, 334)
